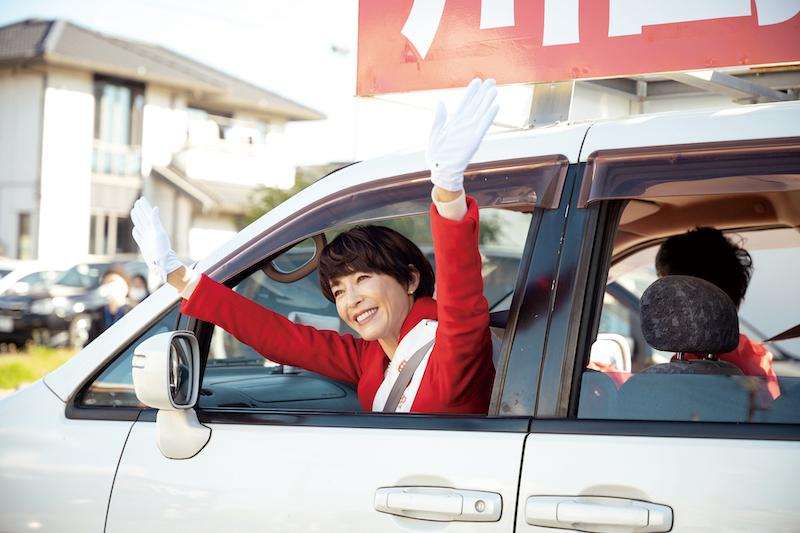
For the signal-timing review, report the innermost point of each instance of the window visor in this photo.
(767, 165)
(518, 184)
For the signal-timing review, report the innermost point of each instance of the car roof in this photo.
(729, 124)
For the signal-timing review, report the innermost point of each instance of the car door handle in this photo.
(589, 513)
(439, 503)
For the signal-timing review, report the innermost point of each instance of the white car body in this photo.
(66, 467)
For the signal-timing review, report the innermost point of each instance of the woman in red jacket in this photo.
(382, 286)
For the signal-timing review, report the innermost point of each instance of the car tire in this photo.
(79, 331)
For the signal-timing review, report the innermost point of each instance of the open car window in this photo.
(750, 190)
(237, 377)
(770, 307)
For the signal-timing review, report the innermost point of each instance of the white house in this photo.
(89, 122)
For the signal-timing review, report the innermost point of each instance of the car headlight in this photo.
(42, 307)
(60, 304)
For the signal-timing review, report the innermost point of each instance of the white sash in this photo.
(419, 335)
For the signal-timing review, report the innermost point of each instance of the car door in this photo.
(693, 460)
(288, 452)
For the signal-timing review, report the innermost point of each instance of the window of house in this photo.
(119, 111)
(205, 127)
(111, 234)
(125, 243)
(24, 244)
(93, 234)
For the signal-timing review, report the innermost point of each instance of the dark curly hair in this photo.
(707, 254)
(375, 249)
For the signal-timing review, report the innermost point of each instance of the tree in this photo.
(264, 198)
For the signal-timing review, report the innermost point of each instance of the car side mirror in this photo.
(612, 348)
(165, 371)
(166, 376)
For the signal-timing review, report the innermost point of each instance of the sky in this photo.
(305, 50)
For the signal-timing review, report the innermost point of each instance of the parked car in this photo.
(23, 276)
(220, 438)
(5, 268)
(57, 310)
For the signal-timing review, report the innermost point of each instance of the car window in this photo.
(114, 386)
(85, 275)
(33, 282)
(237, 376)
(769, 308)
(43, 277)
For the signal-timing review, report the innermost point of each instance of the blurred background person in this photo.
(115, 288)
(139, 290)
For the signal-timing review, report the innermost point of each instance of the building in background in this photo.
(89, 122)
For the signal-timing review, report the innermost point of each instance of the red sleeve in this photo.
(274, 336)
(755, 360)
(461, 361)
(617, 376)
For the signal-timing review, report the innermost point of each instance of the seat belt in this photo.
(404, 378)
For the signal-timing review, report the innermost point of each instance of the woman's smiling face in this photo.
(374, 305)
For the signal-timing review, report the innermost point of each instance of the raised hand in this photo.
(153, 241)
(453, 142)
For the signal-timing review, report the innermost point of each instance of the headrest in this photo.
(689, 315)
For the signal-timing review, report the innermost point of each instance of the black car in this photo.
(58, 313)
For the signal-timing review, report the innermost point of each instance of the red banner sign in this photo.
(410, 45)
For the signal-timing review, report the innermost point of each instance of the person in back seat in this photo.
(707, 254)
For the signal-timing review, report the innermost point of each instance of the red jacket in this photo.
(752, 359)
(459, 375)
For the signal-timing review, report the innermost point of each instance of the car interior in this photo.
(238, 377)
(762, 211)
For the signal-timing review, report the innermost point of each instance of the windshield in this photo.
(85, 275)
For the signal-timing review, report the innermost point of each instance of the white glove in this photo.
(153, 242)
(452, 145)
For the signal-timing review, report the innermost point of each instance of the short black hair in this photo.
(375, 249)
(707, 254)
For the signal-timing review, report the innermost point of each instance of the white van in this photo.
(570, 211)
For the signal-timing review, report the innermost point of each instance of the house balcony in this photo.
(116, 159)
(221, 149)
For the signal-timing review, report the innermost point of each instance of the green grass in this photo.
(29, 364)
